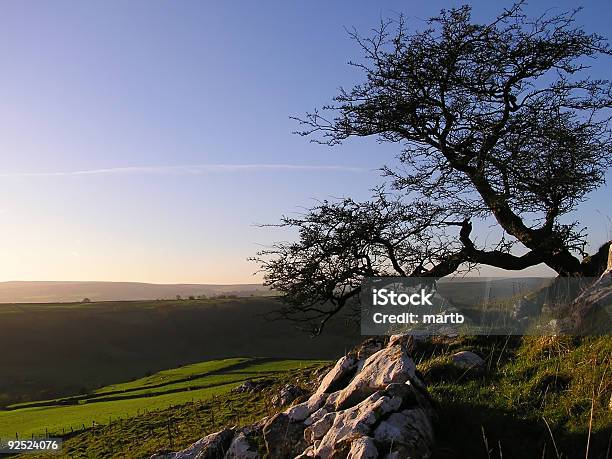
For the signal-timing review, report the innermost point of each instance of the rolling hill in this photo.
(71, 291)
(55, 350)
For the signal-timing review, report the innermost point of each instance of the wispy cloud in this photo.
(196, 169)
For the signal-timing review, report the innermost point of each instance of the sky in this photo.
(145, 140)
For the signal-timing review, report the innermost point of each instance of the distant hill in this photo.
(70, 291)
(73, 291)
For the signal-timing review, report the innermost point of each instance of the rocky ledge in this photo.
(371, 404)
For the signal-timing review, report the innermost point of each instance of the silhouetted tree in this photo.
(495, 121)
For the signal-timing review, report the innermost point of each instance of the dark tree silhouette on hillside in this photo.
(495, 121)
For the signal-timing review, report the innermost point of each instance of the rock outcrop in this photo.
(287, 394)
(241, 448)
(253, 386)
(371, 404)
(591, 311)
(213, 446)
(467, 360)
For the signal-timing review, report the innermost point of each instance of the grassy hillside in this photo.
(172, 388)
(99, 363)
(537, 397)
(544, 397)
(180, 425)
(64, 349)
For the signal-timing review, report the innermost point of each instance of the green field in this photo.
(197, 382)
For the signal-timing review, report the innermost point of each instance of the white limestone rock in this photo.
(389, 365)
(212, 446)
(363, 448)
(341, 370)
(409, 432)
(303, 410)
(467, 360)
(318, 430)
(240, 448)
(356, 421)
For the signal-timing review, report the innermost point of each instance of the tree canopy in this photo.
(498, 121)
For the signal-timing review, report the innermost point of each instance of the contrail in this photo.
(196, 169)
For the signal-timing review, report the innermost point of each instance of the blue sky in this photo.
(105, 104)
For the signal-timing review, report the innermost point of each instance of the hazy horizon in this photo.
(12, 292)
(24, 292)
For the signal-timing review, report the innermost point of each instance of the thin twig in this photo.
(552, 437)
